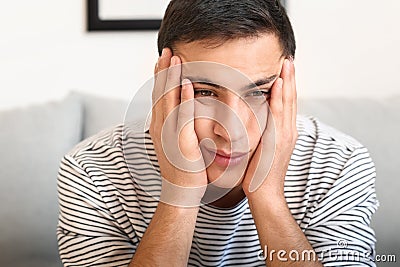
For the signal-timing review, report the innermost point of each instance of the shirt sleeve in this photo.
(88, 233)
(339, 230)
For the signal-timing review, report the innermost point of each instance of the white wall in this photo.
(45, 51)
(345, 48)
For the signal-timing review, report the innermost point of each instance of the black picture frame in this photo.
(94, 23)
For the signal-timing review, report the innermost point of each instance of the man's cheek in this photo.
(258, 115)
(202, 127)
(258, 126)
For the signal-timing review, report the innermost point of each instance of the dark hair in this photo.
(217, 21)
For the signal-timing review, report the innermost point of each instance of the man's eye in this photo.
(260, 93)
(203, 92)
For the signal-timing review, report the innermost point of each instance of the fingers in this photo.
(186, 108)
(166, 88)
(164, 60)
(288, 94)
(160, 77)
(278, 139)
(293, 98)
(276, 103)
(171, 97)
(186, 128)
(284, 99)
(294, 114)
(160, 73)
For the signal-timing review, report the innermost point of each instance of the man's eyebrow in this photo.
(205, 81)
(261, 82)
(257, 83)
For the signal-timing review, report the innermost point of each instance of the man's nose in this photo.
(231, 121)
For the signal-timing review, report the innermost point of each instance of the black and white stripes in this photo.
(105, 205)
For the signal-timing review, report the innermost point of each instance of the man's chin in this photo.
(224, 179)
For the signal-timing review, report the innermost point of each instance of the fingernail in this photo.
(185, 81)
(173, 61)
(287, 64)
(164, 51)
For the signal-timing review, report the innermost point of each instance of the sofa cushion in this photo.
(101, 112)
(33, 140)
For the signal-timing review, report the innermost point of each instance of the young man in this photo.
(285, 189)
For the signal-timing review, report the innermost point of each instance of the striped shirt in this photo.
(108, 187)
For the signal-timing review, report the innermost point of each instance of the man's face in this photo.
(231, 113)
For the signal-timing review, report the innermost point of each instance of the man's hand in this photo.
(276, 227)
(172, 132)
(267, 169)
(168, 238)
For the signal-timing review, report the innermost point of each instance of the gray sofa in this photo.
(33, 140)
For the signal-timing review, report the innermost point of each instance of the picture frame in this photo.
(97, 21)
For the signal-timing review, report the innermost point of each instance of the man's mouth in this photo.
(225, 159)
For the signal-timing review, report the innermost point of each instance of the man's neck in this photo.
(231, 199)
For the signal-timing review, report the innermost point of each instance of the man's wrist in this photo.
(180, 196)
(184, 216)
(268, 200)
(177, 210)
(268, 191)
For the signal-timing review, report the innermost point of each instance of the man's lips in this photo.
(225, 159)
(229, 155)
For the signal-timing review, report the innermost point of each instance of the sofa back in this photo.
(376, 124)
(32, 142)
